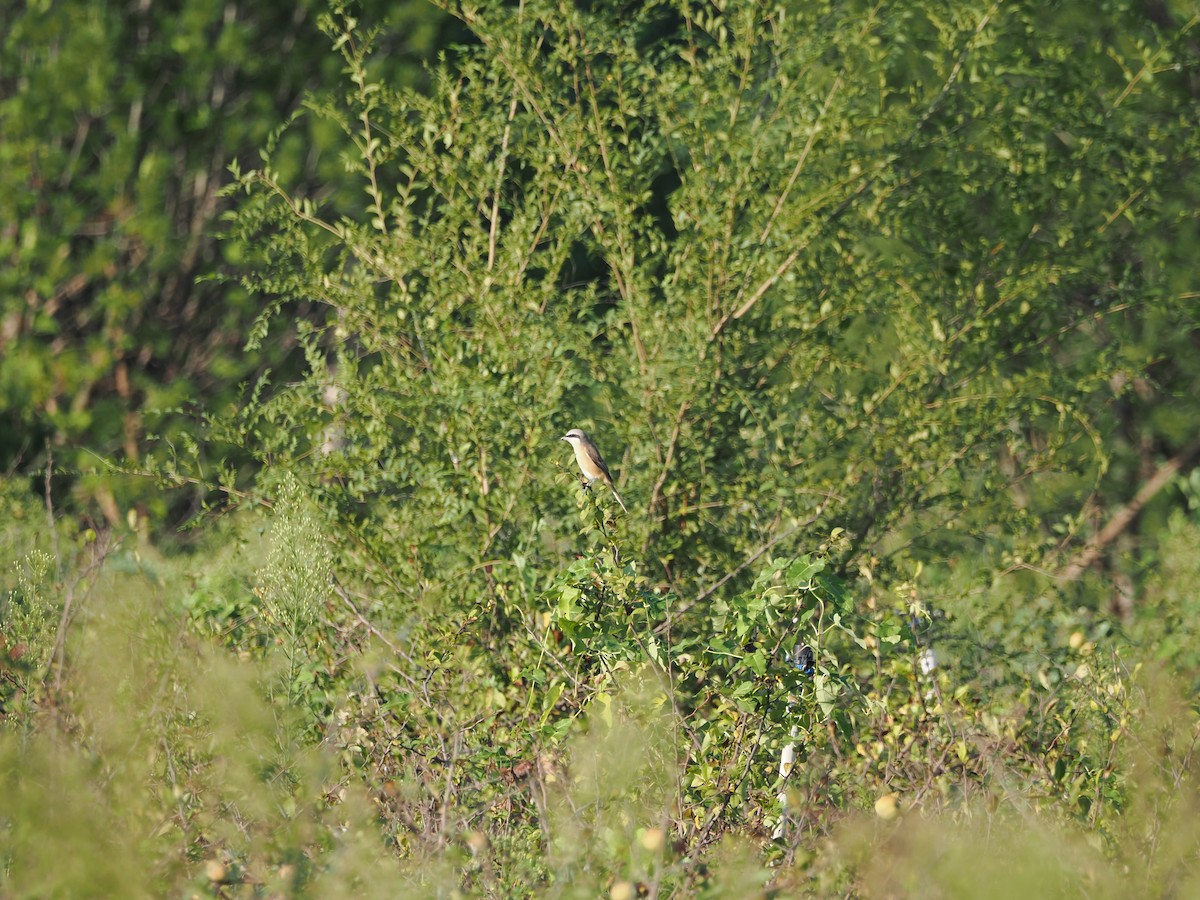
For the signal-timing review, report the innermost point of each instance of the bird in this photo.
(802, 658)
(591, 463)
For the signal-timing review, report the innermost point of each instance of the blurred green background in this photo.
(886, 318)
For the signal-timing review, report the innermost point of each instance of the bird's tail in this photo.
(618, 496)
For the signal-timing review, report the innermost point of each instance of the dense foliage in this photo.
(886, 321)
(118, 123)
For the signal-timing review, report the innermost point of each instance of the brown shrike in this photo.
(591, 463)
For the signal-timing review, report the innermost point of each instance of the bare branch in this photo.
(1125, 516)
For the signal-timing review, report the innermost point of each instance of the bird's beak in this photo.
(564, 438)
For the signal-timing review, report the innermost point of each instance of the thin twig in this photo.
(656, 493)
(495, 223)
(58, 562)
(59, 654)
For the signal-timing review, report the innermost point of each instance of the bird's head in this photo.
(573, 435)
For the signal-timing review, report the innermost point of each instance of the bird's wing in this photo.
(595, 457)
(598, 461)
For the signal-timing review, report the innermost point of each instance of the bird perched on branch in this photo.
(591, 463)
